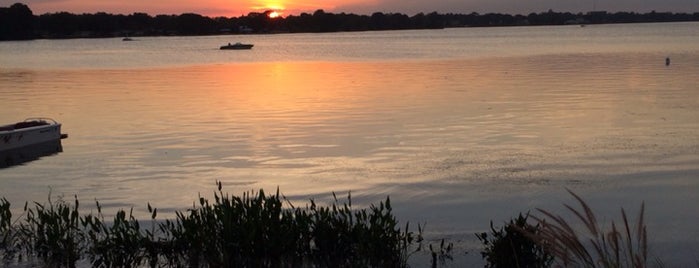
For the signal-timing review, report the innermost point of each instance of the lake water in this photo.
(458, 126)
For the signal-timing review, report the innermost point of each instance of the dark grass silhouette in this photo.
(252, 230)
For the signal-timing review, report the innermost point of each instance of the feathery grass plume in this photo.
(592, 246)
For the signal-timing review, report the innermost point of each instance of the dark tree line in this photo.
(17, 22)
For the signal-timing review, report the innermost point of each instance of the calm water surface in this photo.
(458, 126)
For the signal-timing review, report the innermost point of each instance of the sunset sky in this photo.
(234, 8)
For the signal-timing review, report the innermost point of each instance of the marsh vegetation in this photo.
(553, 240)
(266, 230)
(252, 230)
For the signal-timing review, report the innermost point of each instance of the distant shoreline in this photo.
(18, 22)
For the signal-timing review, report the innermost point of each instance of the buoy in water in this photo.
(667, 61)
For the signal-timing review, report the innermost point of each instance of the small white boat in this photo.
(28, 132)
(237, 46)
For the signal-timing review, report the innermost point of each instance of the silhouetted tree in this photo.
(17, 22)
(59, 25)
(166, 24)
(435, 21)
(377, 22)
(194, 24)
(137, 22)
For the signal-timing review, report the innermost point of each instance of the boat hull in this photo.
(22, 155)
(237, 47)
(17, 138)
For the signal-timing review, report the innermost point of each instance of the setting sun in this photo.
(274, 14)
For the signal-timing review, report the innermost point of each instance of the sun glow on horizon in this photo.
(274, 14)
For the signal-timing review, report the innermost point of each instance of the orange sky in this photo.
(235, 8)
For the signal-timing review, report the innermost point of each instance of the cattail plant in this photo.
(52, 232)
(119, 243)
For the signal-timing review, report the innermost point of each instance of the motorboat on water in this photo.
(28, 132)
(237, 45)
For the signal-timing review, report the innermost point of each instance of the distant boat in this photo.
(28, 132)
(237, 46)
(127, 39)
